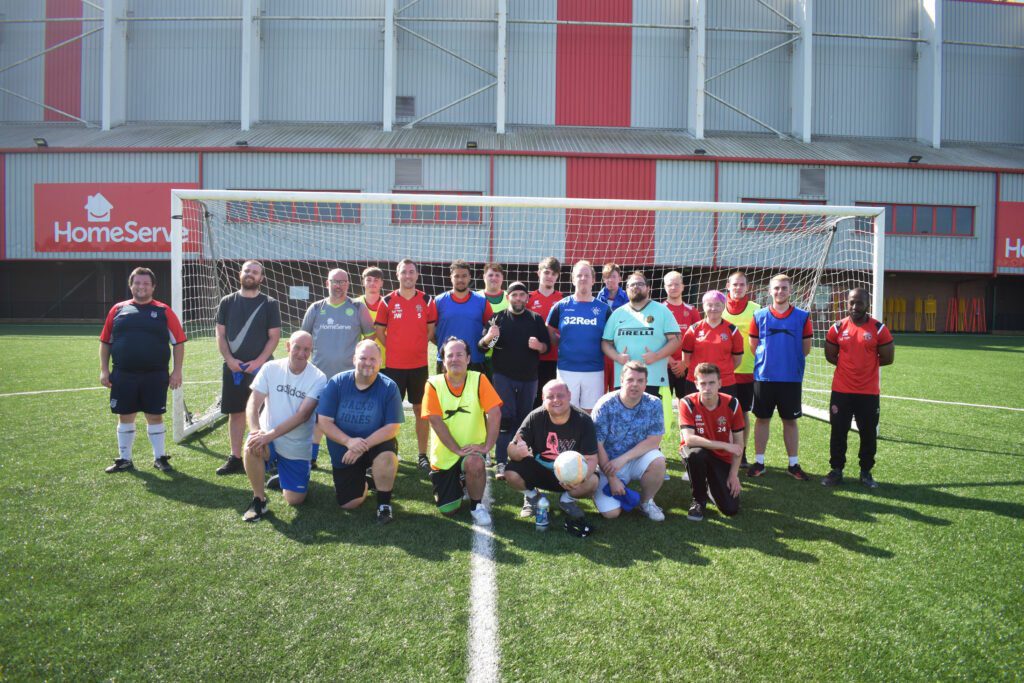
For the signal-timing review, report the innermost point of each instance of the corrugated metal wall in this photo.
(660, 65)
(18, 41)
(531, 63)
(25, 170)
(983, 88)
(675, 243)
(529, 238)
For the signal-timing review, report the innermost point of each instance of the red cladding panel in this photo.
(62, 68)
(594, 64)
(620, 236)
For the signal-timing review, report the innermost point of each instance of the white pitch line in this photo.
(66, 391)
(484, 652)
(932, 400)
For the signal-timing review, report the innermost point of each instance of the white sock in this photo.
(157, 437)
(759, 458)
(793, 459)
(530, 493)
(125, 439)
(566, 498)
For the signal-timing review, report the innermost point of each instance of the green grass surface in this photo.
(153, 576)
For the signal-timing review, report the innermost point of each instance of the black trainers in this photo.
(696, 512)
(833, 478)
(274, 483)
(867, 480)
(423, 462)
(797, 473)
(256, 510)
(232, 466)
(385, 515)
(162, 464)
(756, 470)
(120, 465)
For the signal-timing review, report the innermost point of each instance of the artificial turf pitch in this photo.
(152, 576)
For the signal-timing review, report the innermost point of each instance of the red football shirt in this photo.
(406, 323)
(715, 345)
(541, 305)
(714, 424)
(685, 315)
(857, 371)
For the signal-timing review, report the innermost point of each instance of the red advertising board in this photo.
(108, 217)
(1010, 235)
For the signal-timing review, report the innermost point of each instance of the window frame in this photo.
(922, 209)
(782, 227)
(414, 209)
(272, 217)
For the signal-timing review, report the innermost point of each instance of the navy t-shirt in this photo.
(141, 335)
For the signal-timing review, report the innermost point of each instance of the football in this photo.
(570, 468)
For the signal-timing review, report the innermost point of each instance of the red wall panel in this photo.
(621, 236)
(62, 69)
(594, 64)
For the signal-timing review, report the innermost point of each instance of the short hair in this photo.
(673, 273)
(638, 273)
(406, 262)
(551, 263)
(255, 263)
(781, 277)
(634, 366)
(713, 295)
(552, 383)
(141, 270)
(737, 273)
(861, 290)
(363, 344)
(496, 267)
(373, 271)
(705, 369)
(610, 268)
(454, 340)
(459, 264)
(582, 263)
(299, 334)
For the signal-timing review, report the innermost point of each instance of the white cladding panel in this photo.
(1011, 188)
(660, 66)
(25, 170)
(532, 61)
(17, 42)
(528, 236)
(679, 243)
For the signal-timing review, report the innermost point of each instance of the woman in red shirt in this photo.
(713, 340)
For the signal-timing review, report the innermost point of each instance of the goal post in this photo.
(301, 236)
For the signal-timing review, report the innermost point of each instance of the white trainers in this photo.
(481, 517)
(653, 512)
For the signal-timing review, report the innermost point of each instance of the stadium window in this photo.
(293, 212)
(436, 214)
(927, 219)
(775, 222)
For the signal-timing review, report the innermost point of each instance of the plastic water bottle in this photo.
(543, 514)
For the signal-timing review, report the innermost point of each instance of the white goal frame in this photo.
(179, 196)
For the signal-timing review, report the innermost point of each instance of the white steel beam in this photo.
(499, 113)
(251, 59)
(697, 69)
(115, 66)
(389, 65)
(929, 73)
(802, 94)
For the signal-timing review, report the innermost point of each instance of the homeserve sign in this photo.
(98, 210)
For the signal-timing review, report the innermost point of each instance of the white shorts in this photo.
(584, 387)
(631, 472)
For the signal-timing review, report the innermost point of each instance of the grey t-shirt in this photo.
(336, 330)
(247, 321)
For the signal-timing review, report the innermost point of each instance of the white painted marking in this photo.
(66, 391)
(484, 650)
(935, 401)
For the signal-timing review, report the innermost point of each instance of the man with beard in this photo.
(462, 314)
(494, 277)
(248, 330)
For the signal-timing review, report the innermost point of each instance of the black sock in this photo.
(383, 498)
(473, 504)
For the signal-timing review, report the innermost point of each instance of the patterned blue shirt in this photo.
(620, 428)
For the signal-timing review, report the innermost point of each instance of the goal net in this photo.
(301, 236)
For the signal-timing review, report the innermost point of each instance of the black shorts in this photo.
(233, 397)
(448, 487)
(350, 481)
(744, 393)
(535, 475)
(411, 382)
(131, 392)
(785, 396)
(678, 385)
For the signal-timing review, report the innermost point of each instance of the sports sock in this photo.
(157, 437)
(383, 498)
(315, 451)
(125, 439)
(531, 493)
(793, 459)
(759, 458)
(473, 504)
(566, 498)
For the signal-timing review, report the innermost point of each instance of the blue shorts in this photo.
(294, 474)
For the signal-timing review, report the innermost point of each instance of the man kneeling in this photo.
(712, 444)
(555, 427)
(280, 434)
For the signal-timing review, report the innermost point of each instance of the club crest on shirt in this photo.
(723, 336)
(152, 314)
(867, 335)
(596, 310)
(722, 423)
(649, 319)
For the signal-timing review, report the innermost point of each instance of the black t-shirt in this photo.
(247, 322)
(512, 357)
(547, 439)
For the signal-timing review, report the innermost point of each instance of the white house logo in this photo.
(98, 208)
(100, 228)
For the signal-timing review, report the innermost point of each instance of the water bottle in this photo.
(543, 510)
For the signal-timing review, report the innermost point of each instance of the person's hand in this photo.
(258, 439)
(105, 378)
(234, 365)
(474, 449)
(622, 358)
(256, 446)
(611, 468)
(252, 367)
(676, 367)
(733, 484)
(518, 450)
(616, 486)
(175, 380)
(650, 357)
(535, 344)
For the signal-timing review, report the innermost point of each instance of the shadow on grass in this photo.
(954, 444)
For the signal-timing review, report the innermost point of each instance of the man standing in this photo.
(361, 413)
(248, 330)
(548, 431)
(780, 338)
(711, 424)
(494, 277)
(685, 315)
(857, 346)
(373, 283)
(141, 335)
(405, 325)
(739, 310)
(281, 414)
(462, 314)
(519, 337)
(337, 323)
(465, 414)
(575, 324)
(629, 424)
(616, 297)
(540, 302)
(643, 330)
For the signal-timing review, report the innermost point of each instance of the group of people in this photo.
(526, 373)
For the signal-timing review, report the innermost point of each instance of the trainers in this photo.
(499, 471)
(696, 512)
(274, 483)
(571, 509)
(797, 473)
(232, 466)
(833, 478)
(756, 470)
(653, 512)
(529, 505)
(384, 514)
(120, 465)
(162, 464)
(481, 517)
(423, 462)
(256, 510)
(866, 479)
